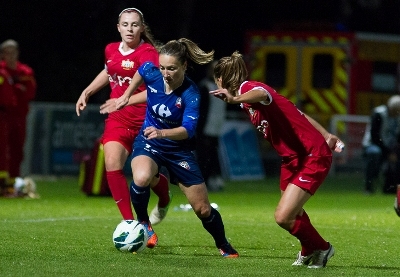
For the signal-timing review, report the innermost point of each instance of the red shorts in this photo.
(115, 131)
(307, 172)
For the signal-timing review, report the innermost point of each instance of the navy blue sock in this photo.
(214, 225)
(140, 200)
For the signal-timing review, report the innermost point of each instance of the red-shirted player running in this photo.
(122, 59)
(304, 145)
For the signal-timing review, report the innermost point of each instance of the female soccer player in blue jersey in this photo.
(167, 135)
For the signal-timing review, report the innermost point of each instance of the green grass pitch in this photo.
(66, 233)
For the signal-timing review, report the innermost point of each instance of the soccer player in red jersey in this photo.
(304, 145)
(7, 101)
(24, 88)
(122, 59)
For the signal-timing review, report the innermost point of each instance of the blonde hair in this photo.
(146, 35)
(184, 49)
(233, 72)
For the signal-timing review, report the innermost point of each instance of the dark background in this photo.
(63, 40)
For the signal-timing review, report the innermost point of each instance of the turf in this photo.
(66, 233)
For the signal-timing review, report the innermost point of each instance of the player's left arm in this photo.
(332, 140)
(111, 104)
(252, 96)
(178, 133)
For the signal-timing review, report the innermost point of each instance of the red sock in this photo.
(120, 192)
(308, 236)
(161, 190)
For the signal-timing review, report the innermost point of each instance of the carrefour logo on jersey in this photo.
(127, 64)
(161, 110)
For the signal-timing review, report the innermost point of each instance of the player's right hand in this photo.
(335, 144)
(222, 94)
(81, 103)
(122, 101)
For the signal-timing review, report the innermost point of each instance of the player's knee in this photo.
(142, 178)
(202, 210)
(283, 221)
(112, 163)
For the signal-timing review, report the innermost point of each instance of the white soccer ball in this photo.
(130, 236)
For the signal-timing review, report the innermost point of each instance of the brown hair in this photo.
(146, 35)
(233, 72)
(184, 49)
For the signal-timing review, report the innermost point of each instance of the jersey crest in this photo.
(127, 64)
(185, 165)
(178, 103)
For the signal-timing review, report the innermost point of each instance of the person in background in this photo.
(304, 145)
(211, 120)
(24, 90)
(122, 59)
(167, 137)
(381, 146)
(8, 101)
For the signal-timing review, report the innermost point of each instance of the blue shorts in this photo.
(182, 166)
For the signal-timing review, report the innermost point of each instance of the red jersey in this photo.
(7, 95)
(120, 67)
(24, 85)
(283, 125)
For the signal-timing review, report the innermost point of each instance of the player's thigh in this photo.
(291, 203)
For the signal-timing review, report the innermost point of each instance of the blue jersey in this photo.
(167, 111)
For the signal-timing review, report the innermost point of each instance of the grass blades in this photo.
(66, 233)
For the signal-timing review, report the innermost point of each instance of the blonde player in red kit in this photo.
(122, 59)
(304, 145)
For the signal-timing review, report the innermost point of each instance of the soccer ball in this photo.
(130, 236)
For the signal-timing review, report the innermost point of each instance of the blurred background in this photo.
(63, 41)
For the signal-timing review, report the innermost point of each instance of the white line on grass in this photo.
(53, 219)
(266, 224)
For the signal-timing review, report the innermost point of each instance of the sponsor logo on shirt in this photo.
(118, 80)
(161, 110)
(263, 126)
